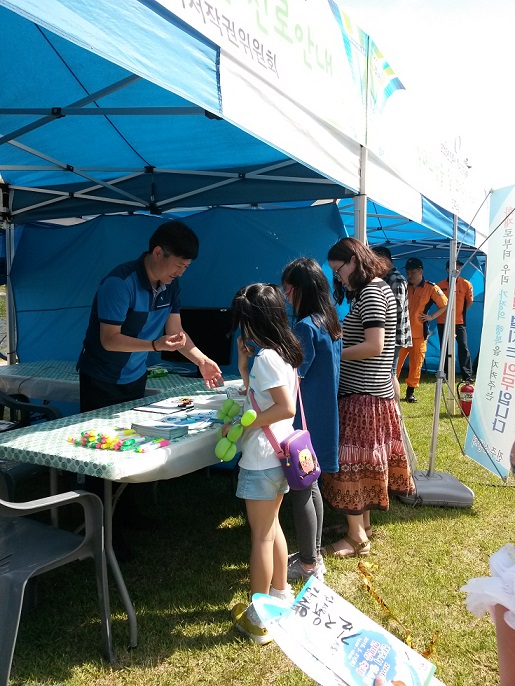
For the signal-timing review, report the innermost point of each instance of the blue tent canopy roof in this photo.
(80, 135)
(385, 226)
(116, 106)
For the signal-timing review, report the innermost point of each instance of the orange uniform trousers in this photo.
(417, 354)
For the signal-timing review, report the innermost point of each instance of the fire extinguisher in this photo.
(465, 391)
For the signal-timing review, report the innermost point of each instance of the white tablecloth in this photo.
(47, 444)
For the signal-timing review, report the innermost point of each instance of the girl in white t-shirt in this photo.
(259, 312)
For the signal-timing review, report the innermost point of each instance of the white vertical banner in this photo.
(492, 420)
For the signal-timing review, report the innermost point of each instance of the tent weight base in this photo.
(441, 490)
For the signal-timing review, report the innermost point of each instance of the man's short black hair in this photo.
(459, 263)
(382, 251)
(175, 238)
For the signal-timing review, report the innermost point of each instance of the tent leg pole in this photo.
(10, 317)
(360, 201)
(451, 341)
(436, 420)
(440, 376)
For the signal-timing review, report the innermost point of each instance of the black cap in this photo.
(459, 263)
(414, 263)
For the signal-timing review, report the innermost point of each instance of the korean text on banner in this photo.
(491, 432)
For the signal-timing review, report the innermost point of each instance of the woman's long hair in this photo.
(259, 311)
(368, 265)
(312, 295)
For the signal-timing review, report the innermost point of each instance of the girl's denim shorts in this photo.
(261, 484)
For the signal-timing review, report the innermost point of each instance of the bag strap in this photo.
(267, 430)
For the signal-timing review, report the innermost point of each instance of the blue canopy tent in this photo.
(121, 106)
(117, 107)
(80, 135)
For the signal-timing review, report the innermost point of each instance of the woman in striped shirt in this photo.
(371, 455)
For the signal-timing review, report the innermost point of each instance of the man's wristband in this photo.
(154, 346)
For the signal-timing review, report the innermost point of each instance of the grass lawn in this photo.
(190, 571)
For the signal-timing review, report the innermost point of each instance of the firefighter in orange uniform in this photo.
(422, 294)
(464, 296)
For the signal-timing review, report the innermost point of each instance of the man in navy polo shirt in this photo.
(136, 311)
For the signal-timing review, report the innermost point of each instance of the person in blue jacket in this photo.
(318, 328)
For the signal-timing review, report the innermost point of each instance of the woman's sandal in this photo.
(358, 549)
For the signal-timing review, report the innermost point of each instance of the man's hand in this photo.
(168, 342)
(211, 373)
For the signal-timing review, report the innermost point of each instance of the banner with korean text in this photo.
(491, 432)
(295, 74)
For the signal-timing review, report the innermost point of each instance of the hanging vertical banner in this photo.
(492, 420)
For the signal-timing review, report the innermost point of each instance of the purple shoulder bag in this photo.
(295, 452)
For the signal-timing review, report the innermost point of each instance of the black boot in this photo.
(410, 395)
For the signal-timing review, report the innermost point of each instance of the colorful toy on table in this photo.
(226, 449)
(152, 444)
(118, 439)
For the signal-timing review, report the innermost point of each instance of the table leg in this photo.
(54, 516)
(113, 563)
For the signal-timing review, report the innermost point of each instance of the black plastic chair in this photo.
(29, 548)
(16, 412)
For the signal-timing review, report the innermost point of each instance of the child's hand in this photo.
(225, 429)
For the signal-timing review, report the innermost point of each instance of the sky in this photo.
(458, 58)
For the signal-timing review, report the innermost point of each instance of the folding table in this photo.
(48, 444)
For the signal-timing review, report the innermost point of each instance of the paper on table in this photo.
(194, 421)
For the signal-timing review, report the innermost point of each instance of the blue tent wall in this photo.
(56, 270)
(237, 247)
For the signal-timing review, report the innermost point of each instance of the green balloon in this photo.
(235, 432)
(226, 405)
(222, 448)
(234, 410)
(248, 417)
(231, 453)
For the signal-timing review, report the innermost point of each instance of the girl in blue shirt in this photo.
(319, 331)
